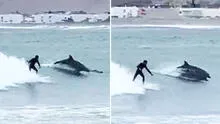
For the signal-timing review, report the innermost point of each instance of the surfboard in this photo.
(149, 86)
(47, 65)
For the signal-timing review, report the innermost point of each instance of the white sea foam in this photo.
(121, 82)
(15, 71)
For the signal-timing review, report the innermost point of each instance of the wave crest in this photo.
(15, 71)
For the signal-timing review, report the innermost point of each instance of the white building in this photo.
(125, 12)
(200, 12)
(98, 18)
(46, 18)
(89, 17)
(28, 19)
(79, 17)
(51, 18)
(59, 18)
(102, 17)
(11, 18)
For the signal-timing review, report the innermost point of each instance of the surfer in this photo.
(139, 70)
(32, 63)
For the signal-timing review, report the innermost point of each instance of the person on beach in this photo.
(139, 70)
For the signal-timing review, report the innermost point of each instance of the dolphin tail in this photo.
(96, 71)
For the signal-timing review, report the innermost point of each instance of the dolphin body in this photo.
(75, 65)
(192, 73)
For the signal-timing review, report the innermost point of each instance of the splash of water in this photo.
(15, 71)
(121, 82)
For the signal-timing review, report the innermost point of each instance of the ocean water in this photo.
(164, 99)
(52, 96)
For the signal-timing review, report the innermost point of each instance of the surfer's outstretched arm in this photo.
(149, 71)
(38, 63)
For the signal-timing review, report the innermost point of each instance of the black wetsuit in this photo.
(32, 63)
(139, 71)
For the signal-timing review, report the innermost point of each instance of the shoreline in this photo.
(59, 24)
(167, 26)
(55, 26)
(165, 21)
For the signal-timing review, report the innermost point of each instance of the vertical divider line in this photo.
(110, 58)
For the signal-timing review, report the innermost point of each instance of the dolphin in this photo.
(79, 67)
(192, 73)
(69, 72)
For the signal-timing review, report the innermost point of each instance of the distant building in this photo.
(125, 12)
(200, 12)
(11, 18)
(28, 19)
(92, 18)
(47, 18)
(53, 17)
(80, 17)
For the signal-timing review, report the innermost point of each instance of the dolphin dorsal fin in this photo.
(186, 63)
(70, 57)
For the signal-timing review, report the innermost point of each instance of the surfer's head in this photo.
(145, 61)
(36, 56)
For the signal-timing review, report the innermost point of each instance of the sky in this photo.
(33, 6)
